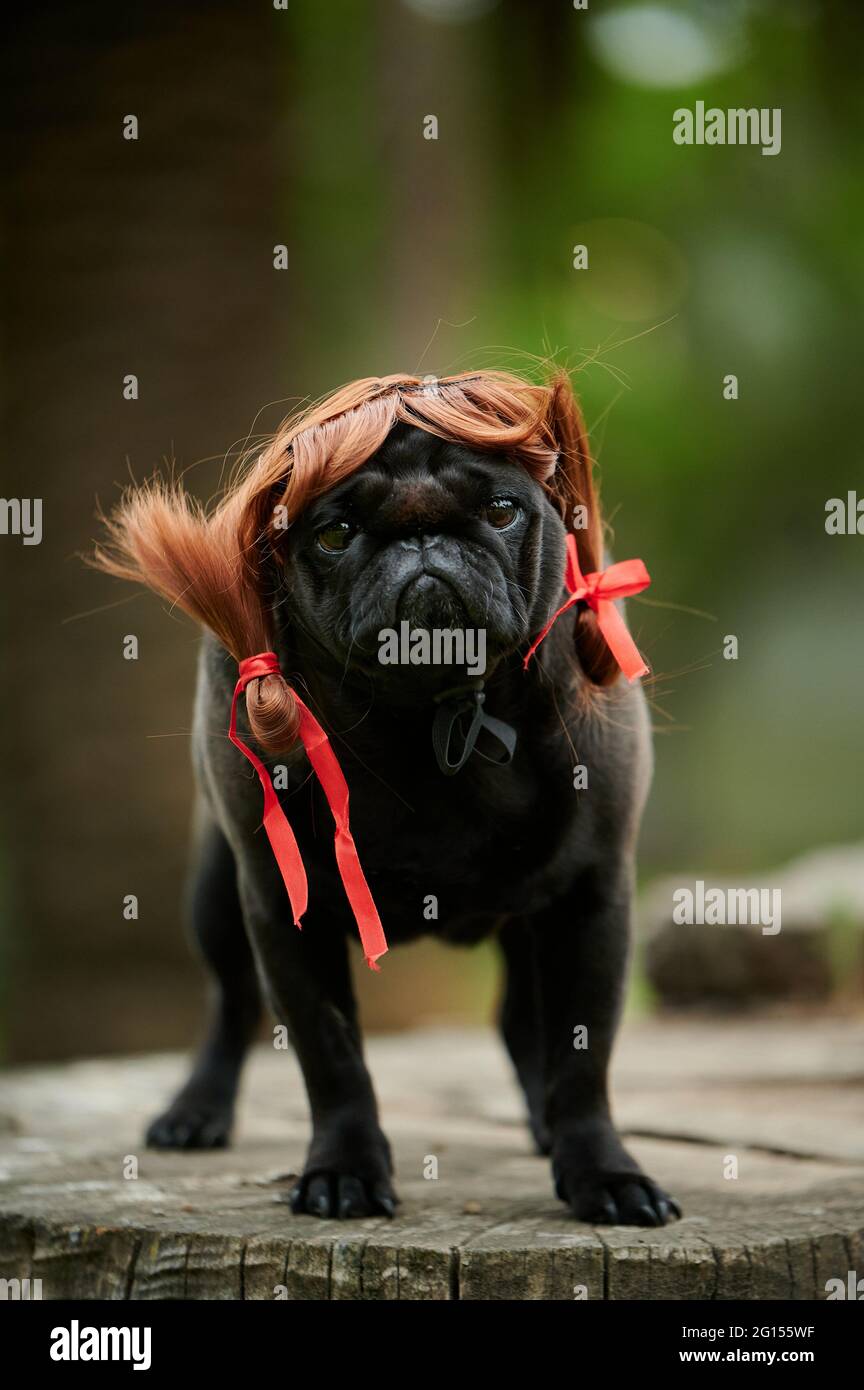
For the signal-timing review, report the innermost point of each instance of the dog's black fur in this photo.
(513, 850)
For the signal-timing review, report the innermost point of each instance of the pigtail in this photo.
(161, 537)
(573, 487)
(271, 709)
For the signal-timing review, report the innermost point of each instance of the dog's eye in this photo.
(501, 512)
(337, 536)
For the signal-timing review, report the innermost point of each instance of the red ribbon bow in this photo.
(599, 590)
(279, 832)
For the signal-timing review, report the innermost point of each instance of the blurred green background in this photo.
(305, 127)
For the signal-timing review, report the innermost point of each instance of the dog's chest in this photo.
(449, 855)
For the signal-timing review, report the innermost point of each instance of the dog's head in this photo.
(435, 505)
(433, 537)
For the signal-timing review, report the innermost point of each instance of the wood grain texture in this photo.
(783, 1097)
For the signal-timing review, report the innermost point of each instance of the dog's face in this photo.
(433, 535)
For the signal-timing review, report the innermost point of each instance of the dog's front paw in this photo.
(342, 1195)
(191, 1124)
(347, 1174)
(607, 1198)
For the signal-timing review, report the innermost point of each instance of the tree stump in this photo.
(91, 1213)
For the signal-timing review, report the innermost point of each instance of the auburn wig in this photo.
(213, 562)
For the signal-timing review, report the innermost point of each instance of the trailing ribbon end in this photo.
(547, 629)
(326, 767)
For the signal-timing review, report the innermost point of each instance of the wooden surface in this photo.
(783, 1097)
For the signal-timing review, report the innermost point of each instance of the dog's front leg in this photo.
(307, 979)
(582, 947)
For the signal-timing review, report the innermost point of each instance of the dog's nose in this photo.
(426, 601)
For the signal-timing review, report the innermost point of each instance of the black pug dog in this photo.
(441, 536)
